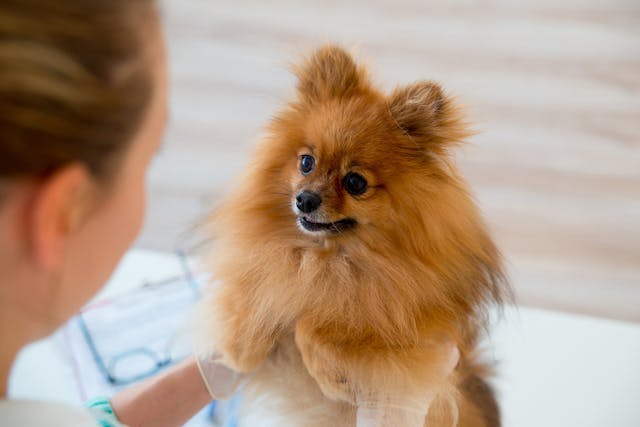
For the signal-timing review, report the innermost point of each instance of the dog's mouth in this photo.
(330, 227)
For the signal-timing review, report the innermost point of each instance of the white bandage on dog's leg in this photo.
(383, 410)
(220, 380)
(392, 414)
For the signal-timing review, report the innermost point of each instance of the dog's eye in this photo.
(355, 184)
(307, 164)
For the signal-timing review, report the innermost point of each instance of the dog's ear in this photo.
(330, 72)
(424, 112)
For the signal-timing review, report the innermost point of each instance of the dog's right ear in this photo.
(427, 115)
(330, 72)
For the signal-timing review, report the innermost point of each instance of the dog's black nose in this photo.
(307, 201)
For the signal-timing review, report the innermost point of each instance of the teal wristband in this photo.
(102, 412)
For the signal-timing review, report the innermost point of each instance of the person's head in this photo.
(83, 103)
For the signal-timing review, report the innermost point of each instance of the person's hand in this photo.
(383, 409)
(220, 380)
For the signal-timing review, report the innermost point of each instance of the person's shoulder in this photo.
(24, 413)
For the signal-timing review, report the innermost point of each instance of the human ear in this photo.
(57, 210)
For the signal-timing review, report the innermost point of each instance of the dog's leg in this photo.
(244, 338)
(325, 363)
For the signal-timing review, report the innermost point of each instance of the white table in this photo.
(555, 369)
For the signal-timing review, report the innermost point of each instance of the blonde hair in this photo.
(74, 84)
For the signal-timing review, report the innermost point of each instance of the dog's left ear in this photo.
(330, 72)
(425, 113)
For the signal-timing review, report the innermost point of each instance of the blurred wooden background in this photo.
(553, 87)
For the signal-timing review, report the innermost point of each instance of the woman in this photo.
(83, 105)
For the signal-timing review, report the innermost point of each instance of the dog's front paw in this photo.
(243, 343)
(325, 364)
(241, 357)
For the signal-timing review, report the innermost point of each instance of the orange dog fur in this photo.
(360, 302)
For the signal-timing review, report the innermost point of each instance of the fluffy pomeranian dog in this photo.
(350, 253)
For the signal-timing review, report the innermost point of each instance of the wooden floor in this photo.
(553, 88)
